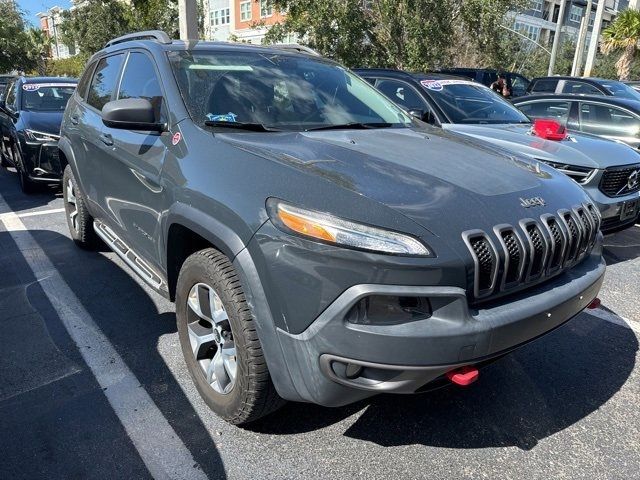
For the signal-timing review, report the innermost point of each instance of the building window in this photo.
(592, 18)
(575, 14)
(530, 31)
(245, 11)
(536, 5)
(266, 8)
(221, 17)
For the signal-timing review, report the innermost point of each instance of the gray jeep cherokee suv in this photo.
(320, 244)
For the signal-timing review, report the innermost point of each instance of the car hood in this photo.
(579, 149)
(45, 122)
(439, 180)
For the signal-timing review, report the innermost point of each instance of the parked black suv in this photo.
(582, 86)
(516, 83)
(320, 244)
(30, 117)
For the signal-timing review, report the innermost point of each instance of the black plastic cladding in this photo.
(534, 249)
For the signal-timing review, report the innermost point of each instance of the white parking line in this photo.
(613, 318)
(162, 451)
(30, 214)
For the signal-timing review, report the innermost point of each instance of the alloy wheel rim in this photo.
(210, 338)
(73, 206)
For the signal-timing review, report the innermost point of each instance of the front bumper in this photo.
(403, 358)
(42, 161)
(615, 211)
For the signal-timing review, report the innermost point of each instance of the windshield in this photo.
(619, 89)
(279, 92)
(49, 97)
(469, 102)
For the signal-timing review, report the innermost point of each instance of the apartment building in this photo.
(240, 20)
(539, 22)
(50, 22)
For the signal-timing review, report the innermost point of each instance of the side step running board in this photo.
(131, 258)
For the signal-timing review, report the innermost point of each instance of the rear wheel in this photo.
(79, 221)
(219, 340)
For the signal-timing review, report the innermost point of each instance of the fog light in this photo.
(389, 310)
(352, 371)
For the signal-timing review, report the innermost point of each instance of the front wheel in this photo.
(27, 185)
(219, 340)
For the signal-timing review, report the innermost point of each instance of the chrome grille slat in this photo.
(532, 250)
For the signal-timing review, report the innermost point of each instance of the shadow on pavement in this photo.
(539, 390)
(622, 246)
(36, 444)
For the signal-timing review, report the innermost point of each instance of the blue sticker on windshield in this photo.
(227, 117)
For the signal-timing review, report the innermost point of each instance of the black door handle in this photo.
(74, 119)
(106, 139)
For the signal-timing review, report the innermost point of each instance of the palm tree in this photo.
(623, 34)
(39, 49)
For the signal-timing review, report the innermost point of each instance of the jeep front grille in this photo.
(620, 181)
(535, 249)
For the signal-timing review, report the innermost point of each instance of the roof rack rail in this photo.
(294, 47)
(157, 35)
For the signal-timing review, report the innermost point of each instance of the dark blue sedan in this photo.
(30, 117)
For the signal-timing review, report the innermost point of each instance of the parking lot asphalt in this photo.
(93, 385)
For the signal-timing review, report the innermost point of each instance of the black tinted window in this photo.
(139, 80)
(545, 85)
(604, 120)
(11, 96)
(547, 109)
(104, 81)
(83, 84)
(401, 93)
(580, 88)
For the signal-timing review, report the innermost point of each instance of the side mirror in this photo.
(425, 116)
(131, 114)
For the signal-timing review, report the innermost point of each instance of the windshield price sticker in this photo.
(33, 87)
(437, 85)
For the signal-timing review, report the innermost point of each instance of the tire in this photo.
(26, 184)
(251, 394)
(79, 221)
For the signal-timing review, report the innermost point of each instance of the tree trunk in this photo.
(623, 65)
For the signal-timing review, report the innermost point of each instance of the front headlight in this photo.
(35, 136)
(338, 231)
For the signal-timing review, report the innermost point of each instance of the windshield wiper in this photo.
(352, 125)
(253, 127)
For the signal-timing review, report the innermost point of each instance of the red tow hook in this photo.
(463, 376)
(595, 303)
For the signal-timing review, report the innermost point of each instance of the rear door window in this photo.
(104, 81)
(83, 84)
(519, 85)
(556, 109)
(545, 85)
(580, 88)
(609, 121)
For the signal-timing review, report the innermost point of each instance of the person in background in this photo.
(500, 86)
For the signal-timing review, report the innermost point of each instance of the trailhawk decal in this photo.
(33, 87)
(437, 85)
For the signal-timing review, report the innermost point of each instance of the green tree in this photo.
(14, 41)
(96, 22)
(156, 15)
(408, 34)
(39, 49)
(623, 35)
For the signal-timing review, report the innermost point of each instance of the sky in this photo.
(34, 6)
